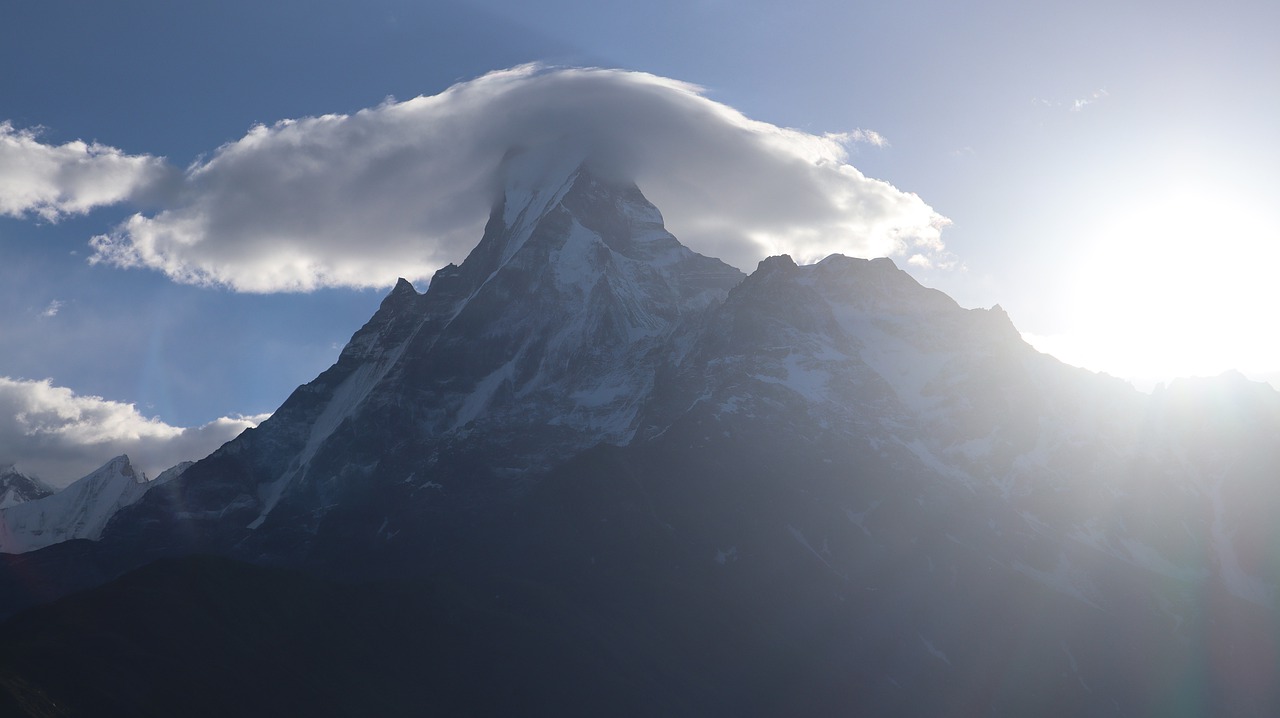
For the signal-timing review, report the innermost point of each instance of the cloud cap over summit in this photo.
(402, 188)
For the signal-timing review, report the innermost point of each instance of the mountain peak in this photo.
(122, 466)
(404, 286)
(559, 223)
(545, 340)
(401, 295)
(16, 487)
(81, 510)
(778, 263)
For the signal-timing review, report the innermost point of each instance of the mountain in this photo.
(813, 490)
(80, 511)
(16, 487)
(546, 341)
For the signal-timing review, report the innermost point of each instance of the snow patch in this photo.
(1134, 553)
(907, 369)
(479, 398)
(933, 650)
(859, 519)
(795, 532)
(1075, 668)
(931, 460)
(1065, 579)
(723, 557)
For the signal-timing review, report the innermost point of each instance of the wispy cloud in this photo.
(1076, 105)
(52, 309)
(404, 188)
(945, 261)
(54, 433)
(1083, 102)
(859, 136)
(52, 181)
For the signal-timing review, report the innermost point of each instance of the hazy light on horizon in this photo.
(1178, 283)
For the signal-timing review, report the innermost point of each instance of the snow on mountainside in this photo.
(81, 510)
(16, 487)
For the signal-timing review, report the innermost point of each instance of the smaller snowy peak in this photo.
(879, 285)
(885, 306)
(172, 473)
(401, 292)
(402, 298)
(17, 488)
(997, 324)
(1228, 402)
(397, 317)
(924, 347)
(81, 510)
(1209, 413)
(776, 300)
(771, 266)
(869, 296)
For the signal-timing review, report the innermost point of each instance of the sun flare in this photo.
(1179, 284)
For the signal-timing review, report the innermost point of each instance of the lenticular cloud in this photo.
(405, 187)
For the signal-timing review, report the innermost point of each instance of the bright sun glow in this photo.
(1177, 285)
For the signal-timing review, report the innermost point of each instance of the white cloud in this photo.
(403, 188)
(52, 181)
(52, 432)
(937, 261)
(52, 310)
(870, 137)
(1075, 105)
(1082, 102)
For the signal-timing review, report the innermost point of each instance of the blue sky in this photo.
(1108, 170)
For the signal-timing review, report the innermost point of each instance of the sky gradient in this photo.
(1106, 173)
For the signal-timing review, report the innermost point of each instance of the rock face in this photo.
(813, 490)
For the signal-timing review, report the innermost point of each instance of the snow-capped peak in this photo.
(533, 182)
(16, 487)
(81, 510)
